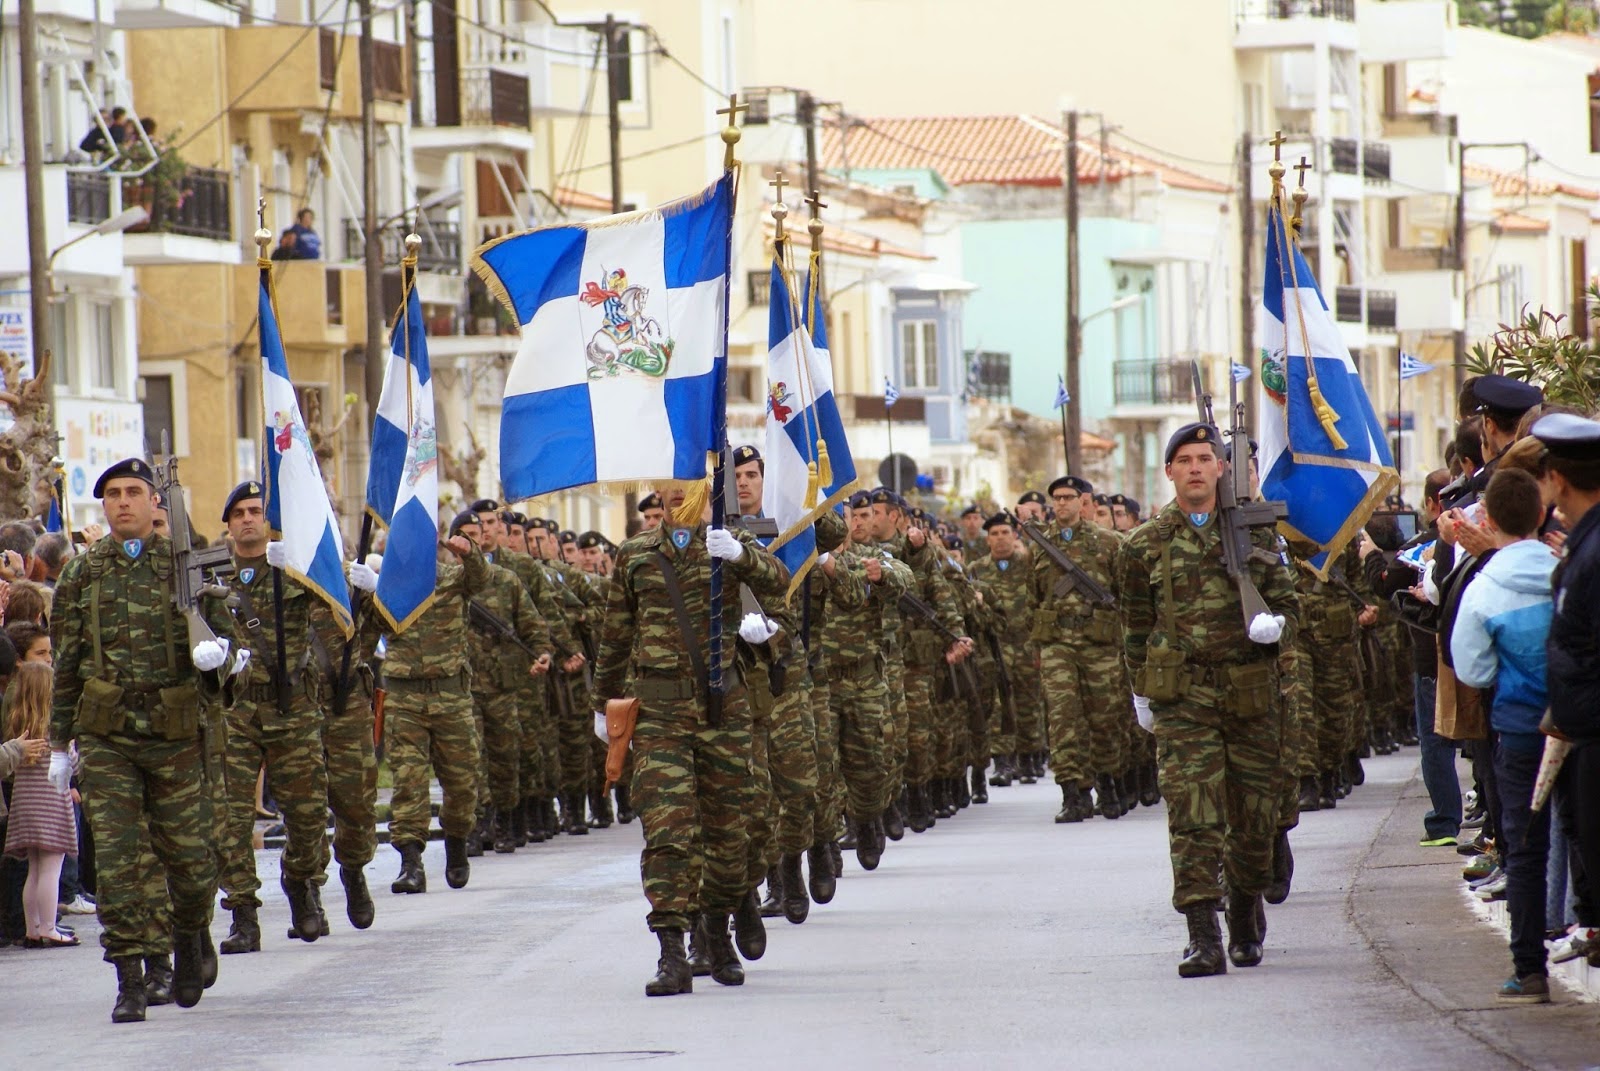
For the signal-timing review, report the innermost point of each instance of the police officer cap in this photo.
(1031, 496)
(650, 501)
(247, 490)
(569, 536)
(743, 455)
(1506, 395)
(1001, 518)
(591, 539)
(133, 467)
(462, 519)
(1571, 438)
(861, 500)
(1191, 433)
(972, 511)
(1076, 483)
(485, 505)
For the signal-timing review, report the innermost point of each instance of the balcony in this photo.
(1429, 259)
(1279, 10)
(1347, 156)
(1347, 304)
(174, 14)
(285, 71)
(1294, 25)
(440, 250)
(1158, 382)
(1381, 310)
(189, 224)
(88, 197)
(1375, 163)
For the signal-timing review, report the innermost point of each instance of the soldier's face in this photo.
(971, 527)
(247, 525)
(652, 518)
(1194, 471)
(1002, 541)
(130, 507)
(956, 556)
(1121, 518)
(473, 532)
(1030, 511)
(885, 519)
(861, 525)
(1068, 505)
(511, 538)
(593, 559)
(1102, 515)
(569, 553)
(749, 481)
(490, 523)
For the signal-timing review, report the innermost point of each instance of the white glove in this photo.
(600, 727)
(60, 775)
(1266, 628)
(757, 629)
(375, 562)
(277, 554)
(209, 655)
(363, 577)
(721, 543)
(1141, 710)
(241, 661)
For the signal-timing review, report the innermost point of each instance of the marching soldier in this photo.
(1007, 574)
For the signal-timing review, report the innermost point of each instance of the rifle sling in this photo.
(669, 576)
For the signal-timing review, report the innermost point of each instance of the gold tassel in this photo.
(1327, 415)
(811, 485)
(824, 466)
(695, 500)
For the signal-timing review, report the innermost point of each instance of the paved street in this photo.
(997, 940)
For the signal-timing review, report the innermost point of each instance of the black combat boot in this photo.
(245, 933)
(868, 852)
(478, 836)
(836, 857)
(943, 806)
(412, 878)
(917, 808)
(1001, 778)
(1203, 954)
(572, 805)
(958, 790)
(796, 904)
(358, 905)
(980, 786)
(302, 911)
(533, 819)
(1109, 805)
(725, 966)
(456, 867)
(772, 903)
(1310, 795)
(1149, 784)
(1329, 791)
(1025, 771)
(505, 842)
(1069, 806)
(1128, 790)
(847, 840)
(894, 821)
(208, 959)
(131, 999)
(519, 826)
(673, 975)
(820, 880)
(748, 928)
(314, 893)
(157, 980)
(625, 813)
(1354, 774)
(699, 950)
(1244, 929)
(600, 803)
(1282, 869)
(188, 977)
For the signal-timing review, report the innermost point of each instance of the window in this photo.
(158, 414)
(758, 287)
(989, 376)
(919, 354)
(103, 359)
(1594, 112)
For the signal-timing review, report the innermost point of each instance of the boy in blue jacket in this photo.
(1499, 642)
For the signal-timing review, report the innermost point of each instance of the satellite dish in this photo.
(898, 472)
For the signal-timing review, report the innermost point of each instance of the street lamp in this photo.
(1118, 305)
(127, 219)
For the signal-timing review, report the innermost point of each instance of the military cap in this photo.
(533, 522)
(591, 539)
(1129, 504)
(650, 501)
(1227, 449)
(1191, 433)
(485, 505)
(1505, 395)
(917, 514)
(882, 496)
(569, 536)
(1077, 483)
(247, 490)
(972, 511)
(1568, 437)
(861, 500)
(511, 517)
(1000, 518)
(1102, 500)
(1031, 496)
(133, 467)
(743, 455)
(954, 542)
(461, 520)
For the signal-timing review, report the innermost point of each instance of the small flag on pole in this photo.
(1412, 367)
(1241, 372)
(1062, 397)
(891, 393)
(974, 378)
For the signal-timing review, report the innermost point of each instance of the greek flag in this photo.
(1241, 372)
(1323, 450)
(891, 393)
(298, 510)
(1062, 397)
(1412, 367)
(808, 464)
(974, 378)
(403, 479)
(620, 375)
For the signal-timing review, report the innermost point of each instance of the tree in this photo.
(1529, 18)
(1540, 350)
(28, 447)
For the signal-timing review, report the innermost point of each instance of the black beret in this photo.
(1102, 500)
(532, 523)
(1571, 438)
(1077, 483)
(650, 501)
(918, 514)
(882, 496)
(1506, 395)
(1131, 505)
(591, 539)
(485, 505)
(1032, 496)
(569, 536)
(954, 542)
(133, 467)
(998, 519)
(1191, 433)
(972, 511)
(247, 490)
(461, 520)
(510, 518)
(861, 500)
(743, 455)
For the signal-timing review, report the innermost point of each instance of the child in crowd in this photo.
(41, 828)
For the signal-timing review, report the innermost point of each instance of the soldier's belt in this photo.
(268, 691)
(843, 669)
(425, 684)
(658, 689)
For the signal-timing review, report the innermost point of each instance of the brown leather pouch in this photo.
(621, 716)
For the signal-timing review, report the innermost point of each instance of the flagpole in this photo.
(894, 470)
(264, 266)
(1066, 450)
(1399, 417)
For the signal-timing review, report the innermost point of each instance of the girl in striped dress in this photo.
(41, 829)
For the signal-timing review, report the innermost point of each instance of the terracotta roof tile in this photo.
(568, 197)
(839, 240)
(1512, 184)
(1517, 223)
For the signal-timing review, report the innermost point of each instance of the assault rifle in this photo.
(197, 571)
(1238, 514)
(1075, 579)
(496, 627)
(911, 604)
(1008, 695)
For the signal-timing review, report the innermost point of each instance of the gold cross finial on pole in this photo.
(1278, 142)
(730, 133)
(1300, 195)
(780, 211)
(263, 236)
(1303, 166)
(815, 226)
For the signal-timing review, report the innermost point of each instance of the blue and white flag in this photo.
(1062, 397)
(1241, 372)
(1322, 448)
(808, 464)
(623, 361)
(1412, 367)
(298, 509)
(403, 480)
(974, 378)
(891, 393)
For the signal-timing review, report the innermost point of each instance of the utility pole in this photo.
(372, 255)
(806, 113)
(615, 58)
(33, 189)
(1074, 408)
(1248, 353)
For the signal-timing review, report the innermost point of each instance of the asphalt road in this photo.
(996, 940)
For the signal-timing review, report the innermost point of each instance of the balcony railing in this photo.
(1153, 382)
(1439, 258)
(201, 206)
(1347, 304)
(440, 250)
(1254, 10)
(1375, 162)
(88, 197)
(1381, 310)
(989, 376)
(494, 97)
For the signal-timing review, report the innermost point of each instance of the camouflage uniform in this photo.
(953, 729)
(691, 780)
(347, 742)
(500, 670)
(428, 713)
(1220, 739)
(143, 760)
(540, 757)
(924, 654)
(1335, 673)
(1010, 584)
(576, 728)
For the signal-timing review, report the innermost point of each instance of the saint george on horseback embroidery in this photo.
(628, 341)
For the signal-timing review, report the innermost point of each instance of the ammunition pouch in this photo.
(1252, 688)
(924, 648)
(100, 707)
(1104, 627)
(1162, 679)
(1335, 624)
(177, 715)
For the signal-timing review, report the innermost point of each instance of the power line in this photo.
(655, 151)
